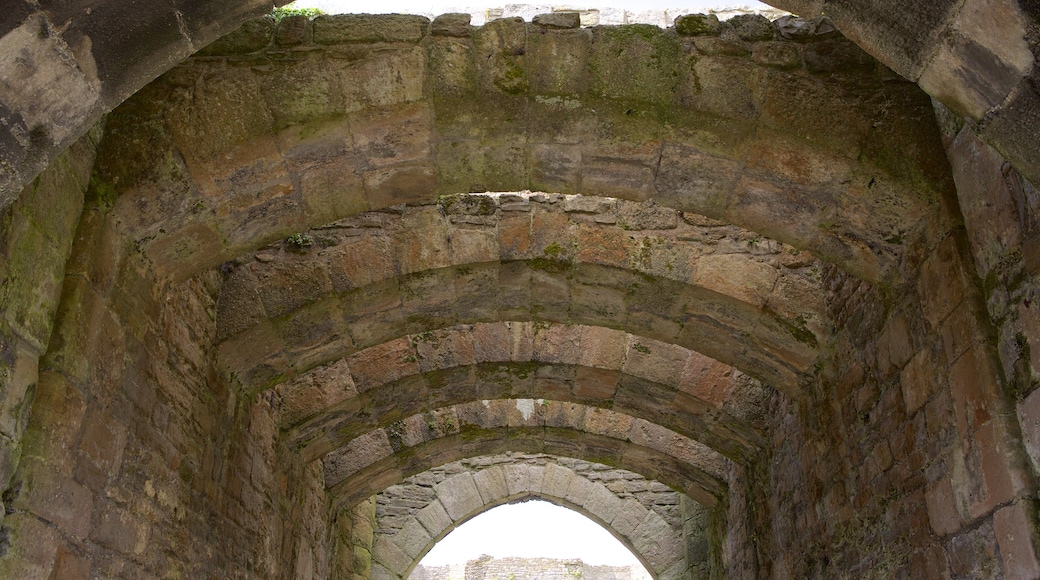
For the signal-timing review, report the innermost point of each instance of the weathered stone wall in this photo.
(487, 568)
(979, 58)
(65, 64)
(37, 238)
(355, 529)
(1001, 210)
(263, 135)
(138, 460)
(906, 459)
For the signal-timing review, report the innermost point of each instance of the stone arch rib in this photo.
(382, 457)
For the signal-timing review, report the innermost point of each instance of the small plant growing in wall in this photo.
(291, 10)
(298, 242)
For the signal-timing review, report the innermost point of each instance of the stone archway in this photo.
(650, 525)
(145, 444)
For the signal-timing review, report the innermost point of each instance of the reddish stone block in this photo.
(56, 499)
(603, 245)
(33, 550)
(942, 284)
(70, 565)
(918, 381)
(602, 348)
(1016, 531)
(559, 343)
(383, 363)
(962, 329)
(707, 379)
(360, 262)
(102, 442)
(655, 360)
(930, 563)
(895, 346)
(595, 384)
(1029, 419)
(943, 513)
(976, 392)
(1002, 476)
(514, 237)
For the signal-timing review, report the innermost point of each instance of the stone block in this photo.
(102, 441)
(1016, 532)
(608, 423)
(602, 503)
(558, 20)
(556, 481)
(119, 530)
(58, 410)
(356, 455)
(369, 28)
(293, 30)
(942, 283)
(491, 484)
(753, 27)
(990, 41)
(1029, 419)
(369, 368)
(655, 361)
(602, 348)
(558, 344)
(523, 479)
(413, 539)
(56, 498)
(33, 550)
(459, 496)
(965, 326)
(453, 24)
(443, 349)
(629, 517)
(579, 491)
(918, 380)
(252, 36)
(995, 462)
(434, 518)
(303, 92)
(558, 62)
(736, 275)
(698, 25)
(776, 54)
(389, 555)
(70, 565)
(973, 383)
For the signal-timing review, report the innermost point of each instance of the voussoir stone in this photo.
(562, 20)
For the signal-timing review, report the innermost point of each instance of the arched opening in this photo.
(671, 535)
(523, 532)
(161, 425)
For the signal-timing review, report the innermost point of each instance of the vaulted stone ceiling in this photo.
(288, 291)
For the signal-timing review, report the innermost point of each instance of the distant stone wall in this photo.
(488, 568)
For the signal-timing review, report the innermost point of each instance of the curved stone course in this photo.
(482, 258)
(415, 514)
(248, 147)
(680, 389)
(384, 456)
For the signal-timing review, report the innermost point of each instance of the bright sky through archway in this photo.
(533, 529)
